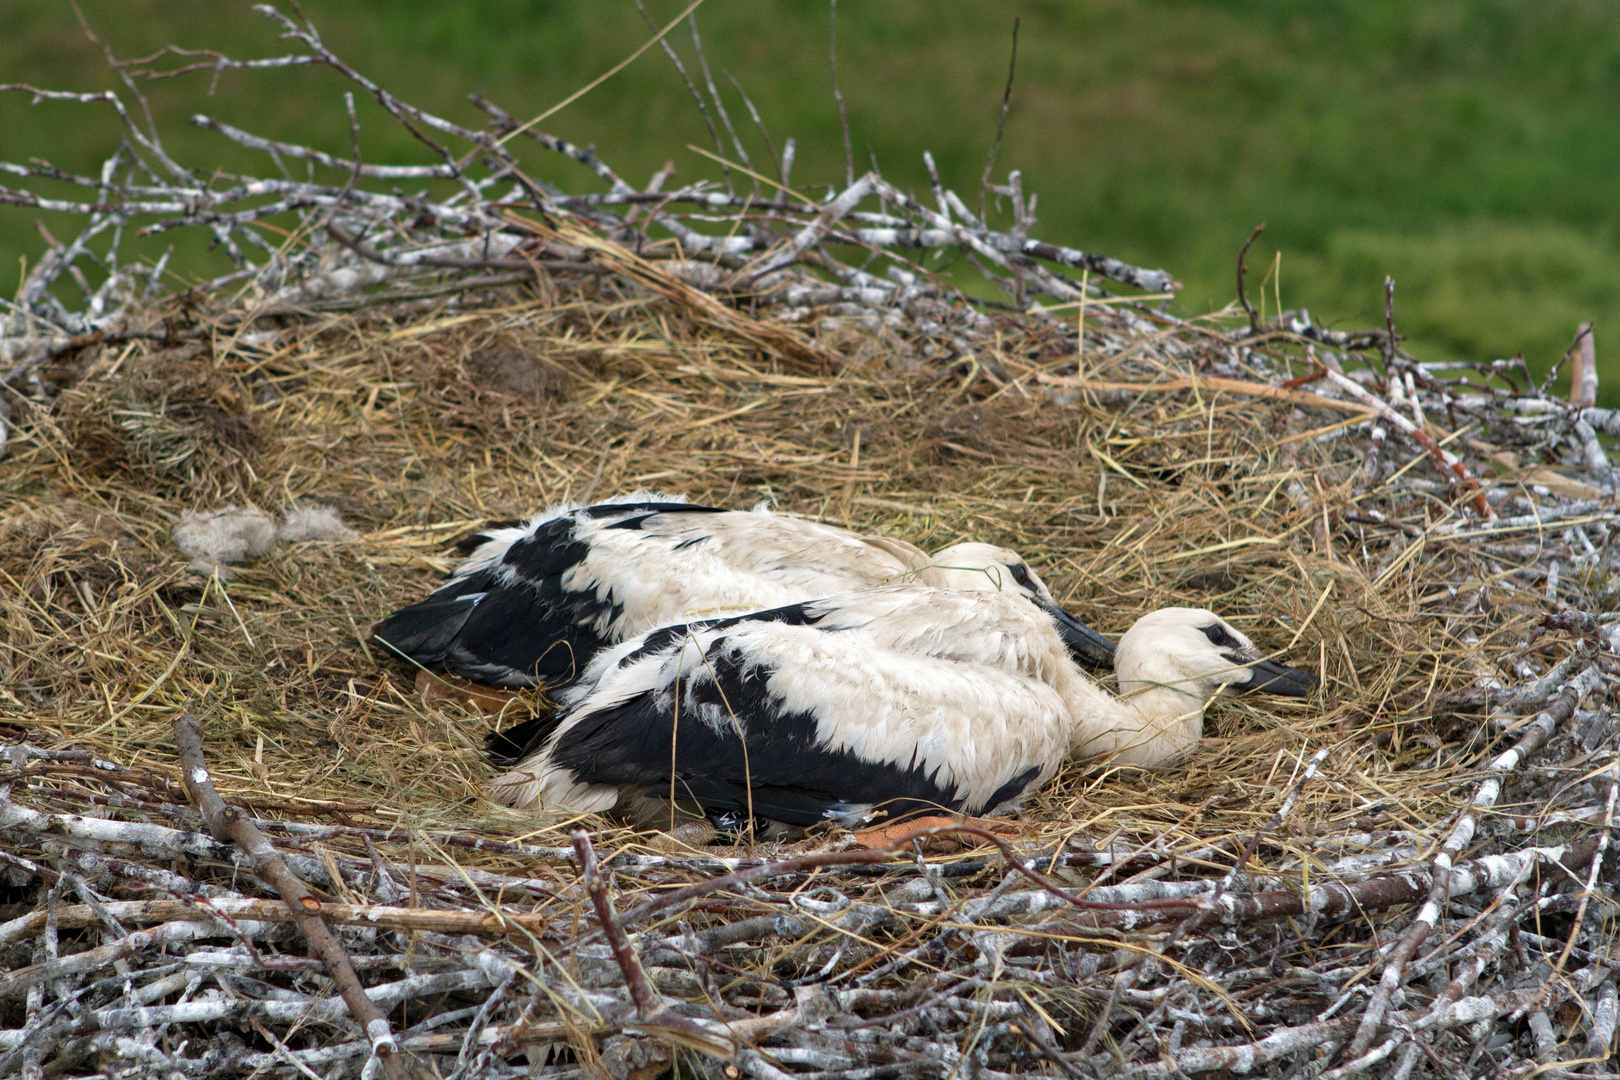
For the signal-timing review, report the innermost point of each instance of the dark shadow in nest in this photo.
(993, 430)
(168, 417)
(20, 894)
(1208, 585)
(67, 569)
(226, 429)
(1169, 464)
(40, 549)
(501, 386)
(521, 374)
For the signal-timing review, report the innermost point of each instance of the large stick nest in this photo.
(1407, 874)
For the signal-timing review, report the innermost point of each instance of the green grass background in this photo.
(1470, 148)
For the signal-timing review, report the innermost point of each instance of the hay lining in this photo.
(1234, 912)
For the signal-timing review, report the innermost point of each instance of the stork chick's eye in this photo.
(1220, 637)
(1020, 573)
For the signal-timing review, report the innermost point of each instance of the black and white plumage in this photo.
(883, 703)
(534, 602)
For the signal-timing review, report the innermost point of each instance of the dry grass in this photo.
(419, 432)
(1256, 906)
(420, 428)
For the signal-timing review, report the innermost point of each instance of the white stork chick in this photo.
(887, 703)
(534, 602)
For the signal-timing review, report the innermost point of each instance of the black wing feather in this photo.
(426, 631)
(767, 762)
(1013, 788)
(665, 637)
(645, 510)
(507, 748)
(491, 628)
(514, 624)
(470, 543)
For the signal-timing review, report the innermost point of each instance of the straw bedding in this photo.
(1407, 874)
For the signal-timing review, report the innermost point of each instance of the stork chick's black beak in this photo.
(1086, 645)
(1270, 677)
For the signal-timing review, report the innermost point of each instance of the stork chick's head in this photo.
(1197, 653)
(975, 567)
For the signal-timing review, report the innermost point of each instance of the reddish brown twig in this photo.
(1305, 380)
(838, 95)
(1243, 298)
(227, 822)
(655, 1017)
(1448, 461)
(1001, 124)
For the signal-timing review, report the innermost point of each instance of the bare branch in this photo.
(838, 95)
(1001, 122)
(1243, 297)
(225, 821)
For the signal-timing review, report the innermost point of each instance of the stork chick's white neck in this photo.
(1147, 725)
(1171, 662)
(1173, 722)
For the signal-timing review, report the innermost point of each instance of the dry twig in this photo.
(226, 821)
(499, 343)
